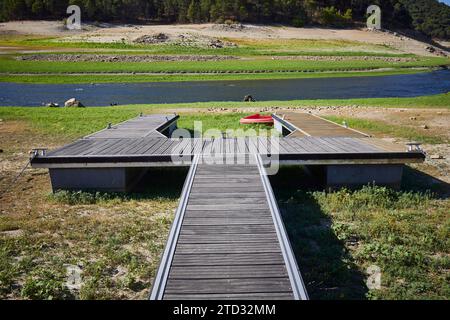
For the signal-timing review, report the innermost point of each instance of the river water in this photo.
(13, 94)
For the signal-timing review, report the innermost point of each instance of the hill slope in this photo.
(427, 16)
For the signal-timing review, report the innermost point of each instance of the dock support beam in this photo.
(101, 179)
(357, 175)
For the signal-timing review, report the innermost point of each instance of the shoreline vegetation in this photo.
(224, 115)
(89, 78)
(31, 59)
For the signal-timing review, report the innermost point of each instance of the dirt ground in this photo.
(129, 33)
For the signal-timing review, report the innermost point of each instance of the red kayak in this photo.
(257, 118)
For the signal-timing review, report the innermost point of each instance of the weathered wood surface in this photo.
(228, 246)
(157, 146)
(140, 127)
(138, 140)
(314, 126)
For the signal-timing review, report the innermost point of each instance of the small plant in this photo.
(333, 17)
(82, 197)
(43, 284)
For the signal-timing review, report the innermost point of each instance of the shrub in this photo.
(43, 284)
(333, 17)
(298, 22)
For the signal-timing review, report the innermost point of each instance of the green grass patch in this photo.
(128, 78)
(337, 236)
(247, 47)
(8, 65)
(77, 122)
(382, 127)
(257, 62)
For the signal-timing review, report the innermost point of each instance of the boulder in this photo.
(73, 103)
(154, 38)
(249, 98)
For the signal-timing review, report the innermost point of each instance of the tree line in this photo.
(427, 16)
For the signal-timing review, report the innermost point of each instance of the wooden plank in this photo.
(223, 195)
(147, 146)
(227, 176)
(227, 200)
(227, 238)
(215, 259)
(115, 146)
(226, 189)
(250, 285)
(229, 229)
(219, 207)
(226, 181)
(228, 213)
(229, 272)
(227, 221)
(249, 248)
(231, 296)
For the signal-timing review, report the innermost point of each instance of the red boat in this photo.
(257, 118)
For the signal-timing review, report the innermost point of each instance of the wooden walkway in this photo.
(302, 124)
(143, 141)
(228, 240)
(132, 152)
(144, 126)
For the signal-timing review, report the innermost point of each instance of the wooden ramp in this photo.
(302, 124)
(144, 126)
(228, 240)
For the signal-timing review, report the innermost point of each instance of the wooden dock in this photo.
(135, 152)
(228, 240)
(301, 124)
(144, 126)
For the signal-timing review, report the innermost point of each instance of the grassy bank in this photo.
(380, 127)
(257, 59)
(77, 122)
(243, 47)
(134, 78)
(8, 65)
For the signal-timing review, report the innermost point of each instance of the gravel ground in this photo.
(120, 58)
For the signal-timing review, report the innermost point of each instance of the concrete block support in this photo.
(99, 179)
(358, 175)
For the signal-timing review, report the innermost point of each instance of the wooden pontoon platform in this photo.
(301, 124)
(228, 240)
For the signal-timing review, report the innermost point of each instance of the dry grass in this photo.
(117, 242)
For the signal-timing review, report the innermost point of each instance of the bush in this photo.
(43, 284)
(298, 22)
(84, 198)
(333, 17)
